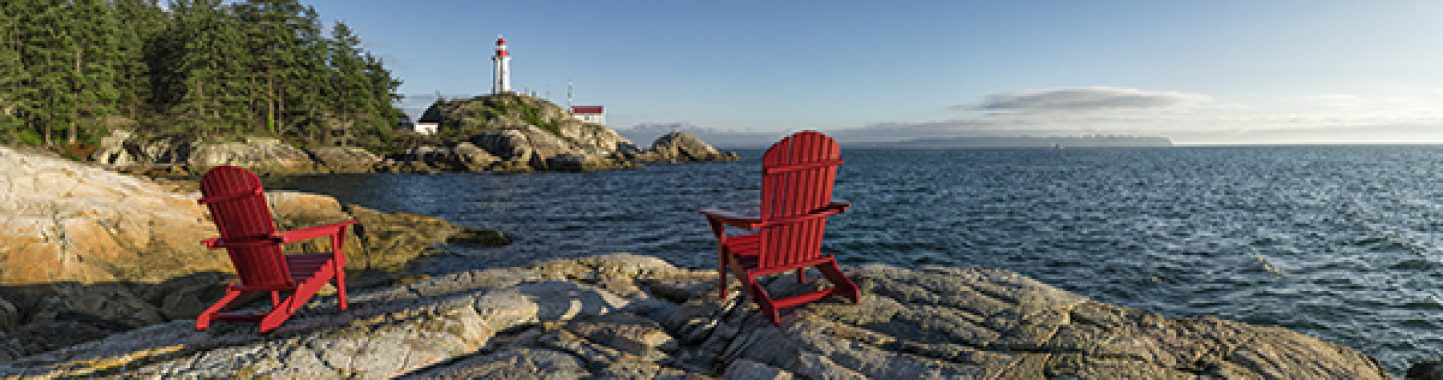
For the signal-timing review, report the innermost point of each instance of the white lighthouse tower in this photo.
(501, 68)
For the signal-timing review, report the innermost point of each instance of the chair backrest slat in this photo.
(244, 220)
(797, 179)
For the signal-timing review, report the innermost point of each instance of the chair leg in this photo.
(287, 307)
(764, 301)
(277, 316)
(203, 320)
(721, 272)
(802, 276)
(341, 287)
(338, 265)
(844, 285)
(275, 298)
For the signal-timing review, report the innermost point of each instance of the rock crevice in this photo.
(624, 316)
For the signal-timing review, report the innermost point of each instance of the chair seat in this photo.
(746, 248)
(304, 267)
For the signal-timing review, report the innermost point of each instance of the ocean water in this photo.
(1344, 243)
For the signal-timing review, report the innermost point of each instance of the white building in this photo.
(430, 120)
(427, 128)
(501, 68)
(589, 114)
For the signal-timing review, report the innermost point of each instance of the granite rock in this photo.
(682, 146)
(83, 246)
(259, 154)
(629, 316)
(345, 159)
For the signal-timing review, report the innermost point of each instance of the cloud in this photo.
(994, 125)
(1085, 99)
(1334, 100)
(1184, 117)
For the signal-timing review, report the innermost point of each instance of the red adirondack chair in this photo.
(248, 232)
(797, 181)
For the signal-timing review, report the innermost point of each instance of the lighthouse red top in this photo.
(501, 47)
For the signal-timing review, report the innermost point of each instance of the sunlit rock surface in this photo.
(629, 316)
(85, 252)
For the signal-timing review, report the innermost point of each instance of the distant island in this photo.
(1093, 141)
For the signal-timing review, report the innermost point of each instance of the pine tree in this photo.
(351, 90)
(96, 57)
(48, 47)
(233, 88)
(10, 70)
(209, 68)
(193, 71)
(143, 22)
(309, 81)
(272, 40)
(11, 76)
(383, 97)
(203, 66)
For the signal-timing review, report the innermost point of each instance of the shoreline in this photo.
(636, 316)
(639, 316)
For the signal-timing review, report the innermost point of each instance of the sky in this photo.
(743, 73)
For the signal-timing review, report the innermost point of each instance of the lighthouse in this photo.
(501, 68)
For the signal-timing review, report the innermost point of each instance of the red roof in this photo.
(587, 109)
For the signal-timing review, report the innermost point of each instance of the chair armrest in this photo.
(313, 232)
(730, 219)
(218, 243)
(839, 206)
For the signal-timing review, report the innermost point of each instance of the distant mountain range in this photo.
(1024, 142)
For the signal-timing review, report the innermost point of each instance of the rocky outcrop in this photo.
(680, 146)
(259, 154)
(574, 162)
(525, 133)
(125, 149)
(69, 226)
(428, 159)
(628, 316)
(471, 158)
(345, 159)
(521, 149)
(500, 133)
(495, 113)
(85, 252)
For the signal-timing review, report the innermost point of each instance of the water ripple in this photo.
(1337, 242)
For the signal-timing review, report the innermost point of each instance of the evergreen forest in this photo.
(71, 71)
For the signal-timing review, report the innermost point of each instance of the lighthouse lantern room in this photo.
(501, 68)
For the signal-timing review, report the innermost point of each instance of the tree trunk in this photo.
(47, 133)
(271, 106)
(79, 80)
